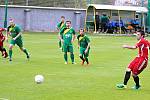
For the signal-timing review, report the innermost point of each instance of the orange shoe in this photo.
(82, 63)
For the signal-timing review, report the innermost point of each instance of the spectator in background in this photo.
(97, 19)
(135, 24)
(114, 26)
(110, 28)
(104, 22)
(121, 25)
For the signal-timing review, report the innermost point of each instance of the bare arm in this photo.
(87, 48)
(129, 47)
(73, 38)
(17, 36)
(60, 38)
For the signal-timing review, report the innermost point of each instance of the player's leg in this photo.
(136, 80)
(5, 54)
(86, 57)
(81, 56)
(71, 54)
(1, 50)
(128, 73)
(127, 76)
(19, 42)
(65, 50)
(25, 51)
(142, 63)
(11, 45)
(10, 51)
(60, 44)
(126, 79)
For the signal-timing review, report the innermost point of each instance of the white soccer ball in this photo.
(39, 79)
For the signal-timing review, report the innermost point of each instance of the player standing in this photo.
(2, 39)
(84, 45)
(139, 63)
(67, 37)
(15, 32)
(60, 26)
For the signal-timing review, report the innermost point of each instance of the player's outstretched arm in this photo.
(17, 36)
(60, 38)
(87, 48)
(73, 38)
(7, 34)
(129, 47)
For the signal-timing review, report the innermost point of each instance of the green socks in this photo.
(86, 59)
(10, 54)
(72, 57)
(59, 44)
(65, 57)
(25, 51)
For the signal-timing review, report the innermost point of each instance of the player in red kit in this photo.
(2, 38)
(139, 63)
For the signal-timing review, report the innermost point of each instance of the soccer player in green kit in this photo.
(84, 45)
(67, 37)
(15, 32)
(60, 26)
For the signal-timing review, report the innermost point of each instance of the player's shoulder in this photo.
(86, 36)
(72, 29)
(17, 26)
(78, 36)
(143, 41)
(58, 23)
(9, 26)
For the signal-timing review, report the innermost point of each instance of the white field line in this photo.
(3, 99)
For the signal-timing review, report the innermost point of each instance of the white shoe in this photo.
(74, 63)
(66, 63)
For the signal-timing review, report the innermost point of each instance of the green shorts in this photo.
(68, 48)
(82, 50)
(17, 41)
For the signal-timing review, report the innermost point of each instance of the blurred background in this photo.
(74, 3)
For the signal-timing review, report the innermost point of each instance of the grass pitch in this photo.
(108, 61)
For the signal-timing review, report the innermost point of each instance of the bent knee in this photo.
(128, 70)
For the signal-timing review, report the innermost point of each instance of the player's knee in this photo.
(21, 48)
(134, 75)
(65, 53)
(10, 47)
(80, 55)
(71, 53)
(128, 70)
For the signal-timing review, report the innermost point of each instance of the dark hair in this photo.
(81, 29)
(68, 21)
(62, 16)
(141, 32)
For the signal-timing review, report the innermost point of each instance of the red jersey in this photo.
(2, 37)
(143, 46)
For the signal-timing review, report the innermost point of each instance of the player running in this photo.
(2, 39)
(15, 32)
(84, 45)
(139, 63)
(67, 37)
(60, 26)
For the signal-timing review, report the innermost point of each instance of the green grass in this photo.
(97, 81)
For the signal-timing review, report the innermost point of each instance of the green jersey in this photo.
(104, 19)
(61, 25)
(83, 41)
(14, 31)
(67, 34)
